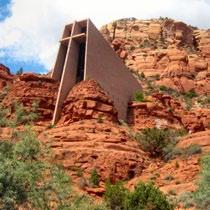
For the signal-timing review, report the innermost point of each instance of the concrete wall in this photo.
(58, 69)
(62, 51)
(103, 65)
(68, 78)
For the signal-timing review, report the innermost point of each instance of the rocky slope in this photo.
(31, 88)
(172, 62)
(176, 54)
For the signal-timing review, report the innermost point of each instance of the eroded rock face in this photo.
(87, 100)
(5, 76)
(30, 88)
(105, 146)
(163, 111)
(160, 111)
(178, 53)
(199, 138)
(180, 174)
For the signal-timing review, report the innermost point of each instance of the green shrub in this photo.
(190, 94)
(20, 71)
(4, 122)
(94, 178)
(202, 195)
(147, 196)
(154, 140)
(22, 116)
(19, 115)
(187, 199)
(84, 203)
(27, 177)
(4, 93)
(139, 96)
(168, 90)
(50, 126)
(163, 88)
(145, 44)
(180, 132)
(100, 119)
(142, 75)
(172, 192)
(169, 177)
(162, 143)
(115, 196)
(192, 150)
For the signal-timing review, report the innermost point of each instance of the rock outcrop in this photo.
(178, 53)
(163, 111)
(199, 138)
(5, 76)
(158, 110)
(86, 145)
(87, 100)
(30, 88)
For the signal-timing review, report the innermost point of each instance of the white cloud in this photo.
(35, 26)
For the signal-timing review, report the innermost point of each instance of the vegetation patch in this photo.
(154, 140)
(202, 195)
(94, 178)
(145, 196)
(162, 143)
(139, 96)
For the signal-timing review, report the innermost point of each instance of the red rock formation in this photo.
(5, 76)
(199, 138)
(87, 100)
(159, 111)
(178, 53)
(163, 111)
(29, 88)
(105, 146)
(180, 174)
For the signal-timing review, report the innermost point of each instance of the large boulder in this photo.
(87, 100)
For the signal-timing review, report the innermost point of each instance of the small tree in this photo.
(154, 140)
(94, 178)
(115, 196)
(20, 71)
(147, 196)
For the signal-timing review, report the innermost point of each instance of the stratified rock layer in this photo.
(87, 100)
(30, 88)
(88, 144)
(163, 111)
(178, 53)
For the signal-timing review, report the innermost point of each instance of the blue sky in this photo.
(30, 29)
(14, 64)
(4, 9)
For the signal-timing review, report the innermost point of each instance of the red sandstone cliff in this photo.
(178, 54)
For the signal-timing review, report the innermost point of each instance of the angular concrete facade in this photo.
(85, 54)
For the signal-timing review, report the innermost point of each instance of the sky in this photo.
(30, 29)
